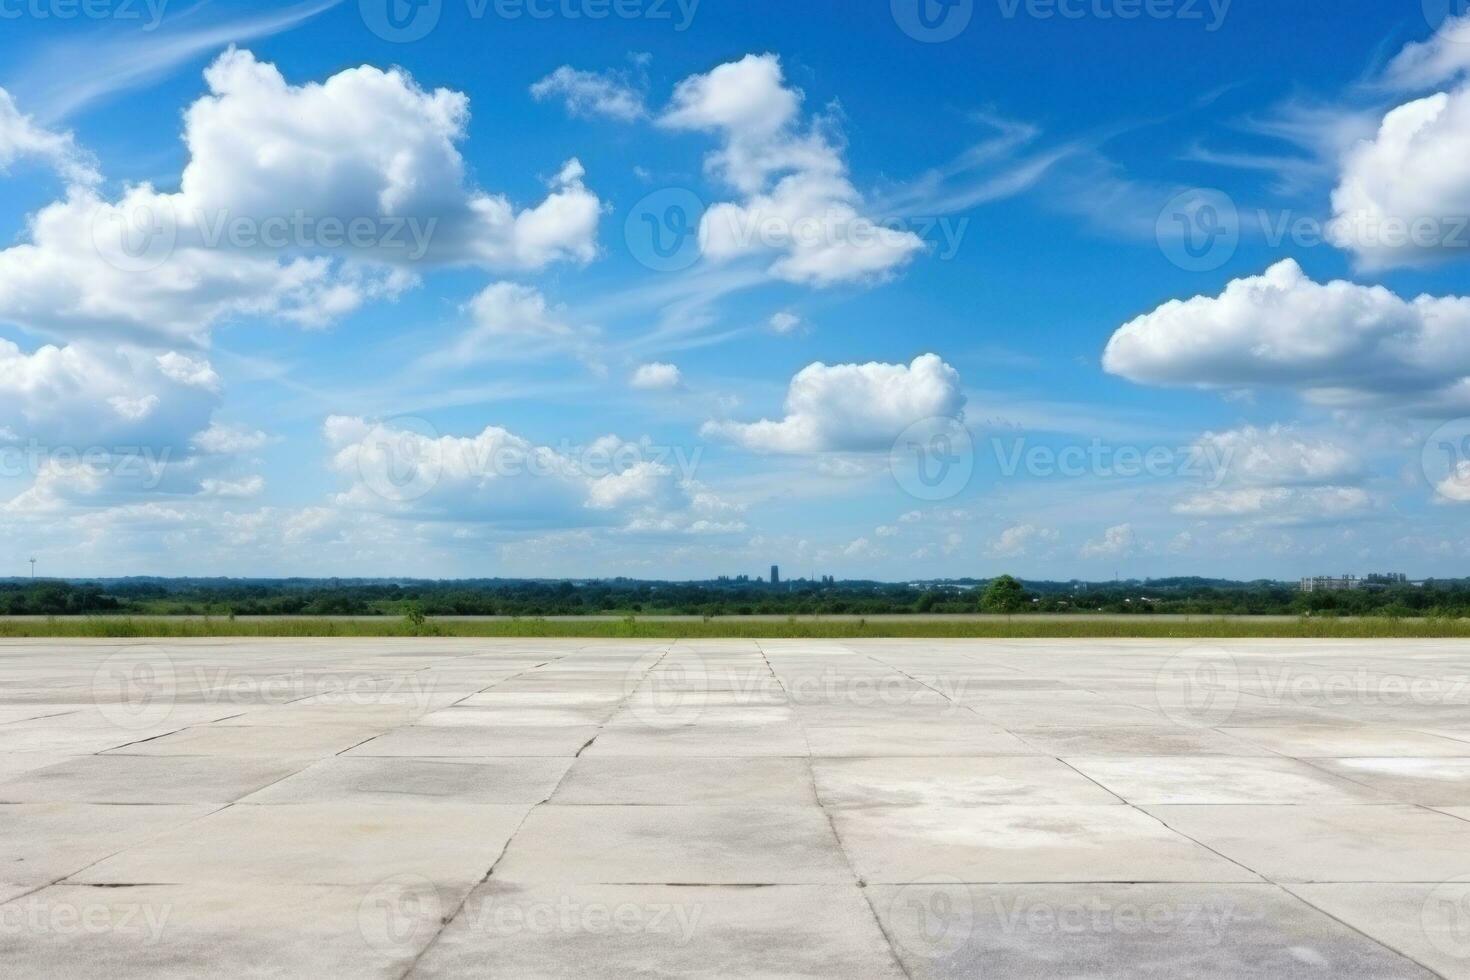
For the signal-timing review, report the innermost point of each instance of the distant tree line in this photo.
(304, 597)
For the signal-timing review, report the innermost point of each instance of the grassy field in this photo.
(663, 629)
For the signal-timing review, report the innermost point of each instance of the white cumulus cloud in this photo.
(1279, 455)
(1404, 195)
(852, 407)
(500, 479)
(22, 138)
(797, 200)
(299, 202)
(587, 93)
(657, 376)
(1279, 505)
(1338, 343)
(86, 396)
(1116, 542)
(1016, 541)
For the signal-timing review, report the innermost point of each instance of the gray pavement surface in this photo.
(783, 808)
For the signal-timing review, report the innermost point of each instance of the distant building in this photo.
(1328, 583)
(775, 574)
(1351, 583)
(1390, 578)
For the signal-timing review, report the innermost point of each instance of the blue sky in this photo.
(1079, 288)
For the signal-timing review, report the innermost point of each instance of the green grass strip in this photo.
(1018, 628)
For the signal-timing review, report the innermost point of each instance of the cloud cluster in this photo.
(657, 376)
(1280, 455)
(503, 480)
(1444, 57)
(1403, 195)
(1279, 475)
(85, 396)
(796, 197)
(293, 205)
(510, 320)
(1337, 343)
(852, 407)
(589, 94)
(1278, 505)
(1116, 542)
(1015, 542)
(21, 138)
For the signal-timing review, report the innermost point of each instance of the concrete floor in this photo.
(903, 808)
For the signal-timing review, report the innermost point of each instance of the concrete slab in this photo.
(9, 891)
(358, 716)
(321, 844)
(888, 739)
(686, 775)
(483, 741)
(19, 763)
(12, 713)
(1435, 781)
(260, 741)
(618, 931)
(700, 741)
(943, 930)
(1314, 742)
(41, 843)
(1023, 843)
(1330, 843)
(1425, 921)
(146, 779)
(953, 782)
(495, 697)
(1221, 780)
(372, 780)
(186, 931)
(675, 845)
(730, 781)
(1136, 741)
(1029, 714)
(518, 716)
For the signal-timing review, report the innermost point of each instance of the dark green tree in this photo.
(1004, 595)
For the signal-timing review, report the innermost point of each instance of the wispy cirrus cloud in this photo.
(67, 76)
